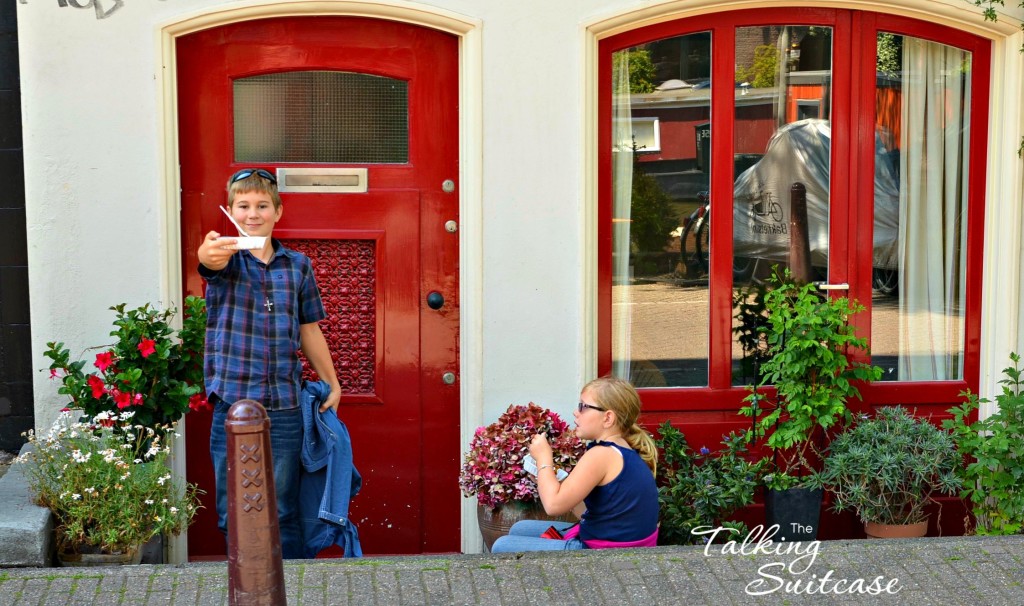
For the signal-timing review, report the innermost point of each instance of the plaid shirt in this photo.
(252, 327)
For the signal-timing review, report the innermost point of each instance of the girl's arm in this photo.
(561, 497)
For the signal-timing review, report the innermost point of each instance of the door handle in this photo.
(435, 300)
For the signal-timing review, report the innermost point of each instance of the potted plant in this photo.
(808, 335)
(993, 447)
(107, 483)
(702, 489)
(148, 369)
(887, 468)
(493, 468)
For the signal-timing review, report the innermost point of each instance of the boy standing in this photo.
(263, 305)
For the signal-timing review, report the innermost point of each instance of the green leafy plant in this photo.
(641, 70)
(994, 474)
(107, 483)
(651, 215)
(148, 369)
(808, 336)
(763, 72)
(887, 468)
(701, 488)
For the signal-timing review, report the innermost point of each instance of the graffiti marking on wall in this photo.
(96, 5)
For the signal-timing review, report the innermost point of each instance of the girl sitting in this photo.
(612, 487)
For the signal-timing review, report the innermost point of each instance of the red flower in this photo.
(147, 347)
(97, 385)
(122, 399)
(104, 360)
(198, 402)
(53, 373)
(137, 399)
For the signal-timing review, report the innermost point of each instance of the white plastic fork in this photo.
(232, 219)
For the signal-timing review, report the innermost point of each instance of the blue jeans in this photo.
(525, 536)
(286, 445)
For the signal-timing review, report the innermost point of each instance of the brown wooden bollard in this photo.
(799, 241)
(255, 569)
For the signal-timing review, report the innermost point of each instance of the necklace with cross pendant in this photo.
(269, 304)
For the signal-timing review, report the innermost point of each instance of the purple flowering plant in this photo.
(493, 468)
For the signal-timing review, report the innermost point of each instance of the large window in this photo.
(839, 145)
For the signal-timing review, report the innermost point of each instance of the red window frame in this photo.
(853, 118)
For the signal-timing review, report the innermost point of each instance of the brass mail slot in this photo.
(323, 180)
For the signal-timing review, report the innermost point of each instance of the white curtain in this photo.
(622, 202)
(935, 131)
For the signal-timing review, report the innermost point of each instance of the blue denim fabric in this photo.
(286, 445)
(329, 478)
(525, 536)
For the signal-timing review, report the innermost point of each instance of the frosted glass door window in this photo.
(321, 116)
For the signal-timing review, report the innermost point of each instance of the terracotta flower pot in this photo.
(496, 522)
(895, 531)
(95, 557)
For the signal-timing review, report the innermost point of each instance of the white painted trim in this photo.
(1002, 316)
(960, 15)
(1001, 278)
(470, 163)
(471, 254)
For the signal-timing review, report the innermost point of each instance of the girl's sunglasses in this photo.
(583, 406)
(245, 173)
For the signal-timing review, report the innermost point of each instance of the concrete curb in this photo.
(26, 529)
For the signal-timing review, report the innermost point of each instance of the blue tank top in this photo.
(625, 509)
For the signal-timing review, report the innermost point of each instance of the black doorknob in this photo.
(435, 300)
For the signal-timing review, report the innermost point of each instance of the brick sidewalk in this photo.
(979, 571)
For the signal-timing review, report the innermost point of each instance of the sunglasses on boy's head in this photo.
(245, 173)
(583, 406)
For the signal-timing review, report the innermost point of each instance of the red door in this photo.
(376, 100)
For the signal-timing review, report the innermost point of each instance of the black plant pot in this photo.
(796, 511)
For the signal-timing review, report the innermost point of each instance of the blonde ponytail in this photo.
(642, 442)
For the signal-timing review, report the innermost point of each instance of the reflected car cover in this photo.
(799, 152)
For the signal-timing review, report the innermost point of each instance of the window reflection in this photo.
(923, 97)
(661, 110)
(781, 170)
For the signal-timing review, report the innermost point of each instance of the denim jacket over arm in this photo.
(329, 478)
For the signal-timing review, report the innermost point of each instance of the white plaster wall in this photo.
(91, 175)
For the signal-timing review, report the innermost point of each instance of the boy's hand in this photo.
(214, 253)
(332, 401)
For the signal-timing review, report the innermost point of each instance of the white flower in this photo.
(79, 457)
(90, 490)
(174, 510)
(163, 479)
(148, 501)
(157, 518)
(76, 496)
